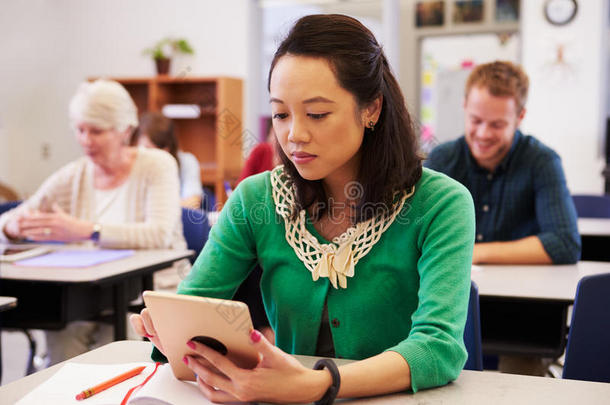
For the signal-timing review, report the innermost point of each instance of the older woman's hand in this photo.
(12, 228)
(279, 377)
(53, 226)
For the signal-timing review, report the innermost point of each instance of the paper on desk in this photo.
(75, 258)
(162, 389)
(74, 378)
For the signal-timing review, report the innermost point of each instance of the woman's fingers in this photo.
(217, 360)
(148, 323)
(210, 376)
(146, 328)
(37, 220)
(213, 394)
(39, 234)
(137, 324)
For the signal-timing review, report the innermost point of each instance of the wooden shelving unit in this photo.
(215, 138)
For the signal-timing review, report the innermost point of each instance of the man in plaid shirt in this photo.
(524, 211)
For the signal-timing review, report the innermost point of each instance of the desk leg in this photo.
(147, 282)
(120, 311)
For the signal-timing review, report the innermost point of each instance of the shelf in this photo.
(215, 136)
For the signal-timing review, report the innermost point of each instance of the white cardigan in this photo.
(153, 210)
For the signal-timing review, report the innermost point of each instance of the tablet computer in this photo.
(14, 252)
(223, 325)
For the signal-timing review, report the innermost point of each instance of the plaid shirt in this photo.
(526, 195)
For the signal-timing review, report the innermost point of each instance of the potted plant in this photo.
(165, 49)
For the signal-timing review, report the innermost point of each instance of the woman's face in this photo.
(317, 122)
(100, 145)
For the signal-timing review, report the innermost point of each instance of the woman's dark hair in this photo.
(389, 154)
(160, 130)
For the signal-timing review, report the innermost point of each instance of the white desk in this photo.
(594, 226)
(141, 259)
(51, 297)
(546, 282)
(524, 308)
(471, 388)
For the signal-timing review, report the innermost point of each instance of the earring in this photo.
(371, 125)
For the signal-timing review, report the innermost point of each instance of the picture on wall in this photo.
(507, 10)
(467, 11)
(430, 13)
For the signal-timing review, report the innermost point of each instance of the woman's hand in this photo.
(51, 226)
(278, 377)
(12, 228)
(143, 325)
(193, 202)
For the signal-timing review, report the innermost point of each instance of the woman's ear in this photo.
(127, 135)
(373, 111)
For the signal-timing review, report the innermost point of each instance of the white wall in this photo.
(567, 101)
(279, 18)
(50, 46)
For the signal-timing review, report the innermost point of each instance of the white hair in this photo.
(105, 104)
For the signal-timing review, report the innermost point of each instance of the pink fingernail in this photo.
(190, 344)
(149, 336)
(185, 360)
(255, 336)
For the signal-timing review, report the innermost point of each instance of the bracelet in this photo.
(333, 390)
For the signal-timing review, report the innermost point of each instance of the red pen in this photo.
(109, 383)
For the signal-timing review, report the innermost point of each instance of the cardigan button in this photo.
(335, 322)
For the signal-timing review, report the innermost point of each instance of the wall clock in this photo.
(560, 12)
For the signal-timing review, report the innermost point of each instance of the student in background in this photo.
(524, 211)
(326, 228)
(157, 131)
(115, 195)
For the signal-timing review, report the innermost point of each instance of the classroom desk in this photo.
(551, 287)
(595, 235)
(51, 297)
(471, 387)
(594, 226)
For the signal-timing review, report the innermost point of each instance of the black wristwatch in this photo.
(333, 390)
(95, 235)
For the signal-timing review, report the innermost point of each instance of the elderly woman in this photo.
(116, 196)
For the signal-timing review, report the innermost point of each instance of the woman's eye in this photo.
(279, 116)
(318, 116)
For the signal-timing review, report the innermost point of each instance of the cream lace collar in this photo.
(335, 260)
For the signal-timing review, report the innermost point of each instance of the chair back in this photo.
(472, 332)
(8, 206)
(196, 228)
(592, 206)
(588, 349)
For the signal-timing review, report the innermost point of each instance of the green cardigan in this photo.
(409, 294)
